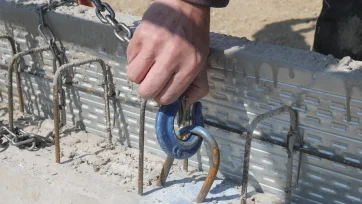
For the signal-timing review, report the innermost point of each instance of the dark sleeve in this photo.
(210, 3)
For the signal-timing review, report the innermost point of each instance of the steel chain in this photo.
(56, 47)
(121, 30)
(22, 139)
(46, 32)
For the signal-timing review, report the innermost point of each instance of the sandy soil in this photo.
(282, 22)
(88, 156)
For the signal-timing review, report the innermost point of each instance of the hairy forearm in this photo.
(210, 3)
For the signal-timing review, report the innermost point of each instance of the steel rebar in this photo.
(249, 137)
(141, 146)
(165, 171)
(241, 132)
(213, 149)
(292, 136)
(56, 88)
(14, 63)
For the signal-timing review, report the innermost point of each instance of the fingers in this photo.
(140, 65)
(198, 88)
(156, 79)
(167, 52)
(134, 47)
(173, 89)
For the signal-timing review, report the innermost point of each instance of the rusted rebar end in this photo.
(165, 171)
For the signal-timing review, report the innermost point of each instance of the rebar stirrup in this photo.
(57, 88)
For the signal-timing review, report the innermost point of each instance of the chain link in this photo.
(121, 30)
(22, 139)
(46, 32)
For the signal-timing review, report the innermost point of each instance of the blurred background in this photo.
(281, 22)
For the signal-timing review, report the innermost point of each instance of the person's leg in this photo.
(339, 29)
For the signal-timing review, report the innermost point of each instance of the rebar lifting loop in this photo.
(57, 85)
(291, 139)
(211, 146)
(177, 148)
(14, 65)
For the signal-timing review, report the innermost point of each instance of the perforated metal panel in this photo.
(242, 84)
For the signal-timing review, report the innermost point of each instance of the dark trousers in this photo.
(339, 29)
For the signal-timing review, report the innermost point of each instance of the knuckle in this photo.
(155, 39)
(141, 30)
(175, 49)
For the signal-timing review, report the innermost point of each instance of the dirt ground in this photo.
(281, 22)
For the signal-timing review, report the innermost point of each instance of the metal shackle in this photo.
(166, 136)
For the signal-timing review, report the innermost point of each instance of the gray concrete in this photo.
(27, 178)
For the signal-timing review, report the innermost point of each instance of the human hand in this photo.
(168, 52)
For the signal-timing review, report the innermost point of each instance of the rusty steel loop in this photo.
(17, 137)
(291, 135)
(211, 146)
(13, 66)
(57, 87)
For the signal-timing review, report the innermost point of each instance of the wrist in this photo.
(200, 14)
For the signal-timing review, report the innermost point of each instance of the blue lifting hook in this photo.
(166, 136)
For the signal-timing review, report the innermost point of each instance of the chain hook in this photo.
(170, 143)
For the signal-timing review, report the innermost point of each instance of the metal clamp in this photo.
(172, 145)
(213, 149)
(57, 88)
(291, 135)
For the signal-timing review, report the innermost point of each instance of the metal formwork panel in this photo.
(243, 81)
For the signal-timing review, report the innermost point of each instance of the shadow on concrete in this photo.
(282, 33)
